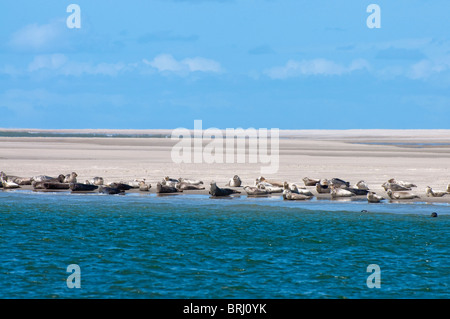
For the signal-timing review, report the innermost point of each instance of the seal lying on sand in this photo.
(296, 190)
(190, 181)
(120, 186)
(78, 187)
(53, 185)
(186, 186)
(256, 191)
(143, 187)
(110, 190)
(362, 185)
(234, 182)
(8, 185)
(45, 178)
(273, 183)
(431, 193)
(322, 189)
(337, 182)
(16, 179)
(340, 192)
(356, 191)
(402, 183)
(395, 187)
(216, 191)
(372, 197)
(288, 195)
(71, 178)
(401, 195)
(164, 189)
(310, 181)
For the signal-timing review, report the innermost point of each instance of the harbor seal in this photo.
(190, 181)
(143, 187)
(55, 185)
(256, 191)
(186, 186)
(165, 189)
(296, 190)
(402, 183)
(401, 195)
(362, 185)
(97, 181)
(340, 192)
(310, 181)
(234, 182)
(45, 178)
(395, 187)
(372, 197)
(357, 191)
(120, 186)
(337, 182)
(78, 187)
(323, 189)
(273, 183)
(430, 193)
(110, 190)
(70, 178)
(216, 191)
(289, 195)
(171, 182)
(8, 185)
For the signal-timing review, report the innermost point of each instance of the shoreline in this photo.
(351, 155)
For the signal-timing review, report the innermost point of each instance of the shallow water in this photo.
(191, 246)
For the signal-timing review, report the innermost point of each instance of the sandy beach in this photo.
(418, 156)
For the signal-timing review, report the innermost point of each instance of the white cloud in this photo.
(37, 37)
(167, 63)
(59, 64)
(315, 67)
(426, 68)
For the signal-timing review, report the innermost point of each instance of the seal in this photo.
(143, 187)
(401, 195)
(357, 191)
(54, 185)
(362, 185)
(190, 181)
(394, 187)
(430, 193)
(289, 195)
(340, 192)
(120, 186)
(8, 185)
(273, 183)
(97, 181)
(170, 181)
(402, 183)
(337, 182)
(78, 187)
(110, 190)
(70, 178)
(310, 181)
(45, 178)
(372, 197)
(164, 189)
(256, 191)
(234, 182)
(296, 190)
(322, 189)
(216, 191)
(186, 186)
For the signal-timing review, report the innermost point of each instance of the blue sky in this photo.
(231, 63)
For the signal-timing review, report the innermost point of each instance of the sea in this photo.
(145, 246)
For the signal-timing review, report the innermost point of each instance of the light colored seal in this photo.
(394, 187)
(256, 191)
(362, 185)
(401, 195)
(323, 189)
(165, 189)
(70, 178)
(402, 183)
(310, 181)
(190, 181)
(273, 183)
(372, 197)
(143, 187)
(340, 192)
(430, 193)
(288, 195)
(234, 182)
(187, 186)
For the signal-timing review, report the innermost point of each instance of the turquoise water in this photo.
(191, 246)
